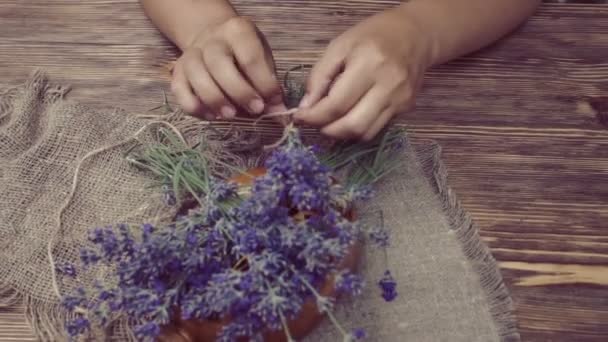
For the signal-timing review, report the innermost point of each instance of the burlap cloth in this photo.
(449, 286)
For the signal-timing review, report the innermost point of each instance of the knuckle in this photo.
(270, 91)
(188, 59)
(239, 26)
(251, 59)
(398, 73)
(210, 52)
(373, 52)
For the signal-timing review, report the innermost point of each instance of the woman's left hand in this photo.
(366, 76)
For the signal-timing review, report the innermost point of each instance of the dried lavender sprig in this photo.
(366, 163)
(319, 298)
(285, 327)
(189, 170)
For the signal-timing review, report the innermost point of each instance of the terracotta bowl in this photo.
(307, 320)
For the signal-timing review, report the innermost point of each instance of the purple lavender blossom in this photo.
(78, 326)
(72, 301)
(89, 257)
(250, 260)
(359, 334)
(149, 329)
(350, 283)
(169, 197)
(388, 285)
(380, 237)
(324, 304)
(66, 269)
(222, 191)
(361, 193)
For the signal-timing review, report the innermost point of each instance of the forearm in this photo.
(458, 27)
(182, 20)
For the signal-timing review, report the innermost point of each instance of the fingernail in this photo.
(305, 102)
(256, 106)
(228, 112)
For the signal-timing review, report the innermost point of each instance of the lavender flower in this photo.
(89, 257)
(169, 197)
(359, 334)
(222, 191)
(247, 258)
(66, 269)
(78, 326)
(324, 304)
(350, 283)
(308, 180)
(388, 285)
(380, 236)
(78, 299)
(149, 329)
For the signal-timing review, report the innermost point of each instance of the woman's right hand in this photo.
(227, 68)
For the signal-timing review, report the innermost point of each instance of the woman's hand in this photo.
(227, 68)
(366, 76)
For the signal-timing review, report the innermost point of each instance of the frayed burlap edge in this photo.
(428, 154)
(47, 318)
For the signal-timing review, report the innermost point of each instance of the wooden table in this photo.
(523, 125)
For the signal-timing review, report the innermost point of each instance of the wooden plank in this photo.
(464, 95)
(479, 90)
(13, 327)
(62, 20)
(539, 197)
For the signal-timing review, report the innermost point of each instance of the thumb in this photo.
(321, 77)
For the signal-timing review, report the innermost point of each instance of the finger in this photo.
(358, 121)
(380, 123)
(278, 108)
(407, 103)
(321, 76)
(186, 98)
(348, 89)
(255, 60)
(207, 90)
(220, 63)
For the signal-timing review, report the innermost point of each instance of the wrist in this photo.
(418, 26)
(209, 20)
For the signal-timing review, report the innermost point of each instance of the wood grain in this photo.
(523, 125)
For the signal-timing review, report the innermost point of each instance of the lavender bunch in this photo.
(245, 259)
